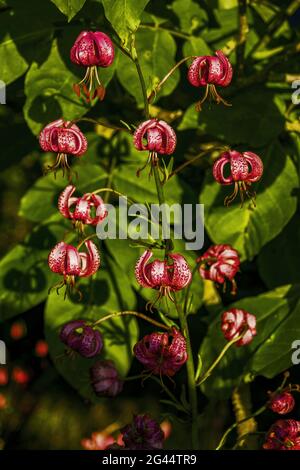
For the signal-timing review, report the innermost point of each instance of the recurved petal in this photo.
(72, 261)
(101, 211)
(154, 140)
(56, 258)
(140, 133)
(198, 72)
(181, 274)
(169, 138)
(239, 166)
(140, 269)
(82, 210)
(226, 70)
(157, 273)
(90, 261)
(218, 169)
(256, 165)
(65, 201)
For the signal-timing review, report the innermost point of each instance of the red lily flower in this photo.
(209, 71)
(65, 139)
(245, 168)
(157, 137)
(170, 275)
(69, 262)
(92, 50)
(236, 321)
(220, 263)
(88, 209)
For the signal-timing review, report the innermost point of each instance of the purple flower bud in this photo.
(80, 337)
(144, 433)
(105, 379)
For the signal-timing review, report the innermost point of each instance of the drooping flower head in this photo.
(144, 433)
(157, 137)
(237, 322)
(220, 263)
(63, 138)
(66, 260)
(170, 275)
(81, 337)
(244, 168)
(162, 353)
(86, 210)
(92, 50)
(105, 379)
(284, 434)
(209, 71)
(282, 403)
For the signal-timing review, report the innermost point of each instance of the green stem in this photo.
(235, 425)
(243, 33)
(168, 392)
(85, 240)
(178, 34)
(143, 86)
(135, 314)
(219, 358)
(200, 155)
(100, 123)
(191, 376)
(113, 191)
(160, 84)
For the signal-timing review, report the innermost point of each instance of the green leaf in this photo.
(227, 4)
(40, 201)
(50, 94)
(195, 47)
(269, 354)
(220, 121)
(124, 15)
(156, 51)
(25, 276)
(69, 7)
(285, 249)
(107, 292)
(20, 32)
(191, 16)
(248, 229)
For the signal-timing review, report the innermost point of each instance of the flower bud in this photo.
(82, 338)
(105, 379)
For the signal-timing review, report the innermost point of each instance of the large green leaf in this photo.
(50, 94)
(191, 16)
(108, 291)
(156, 51)
(124, 15)
(20, 32)
(25, 276)
(253, 129)
(285, 249)
(248, 229)
(195, 47)
(69, 7)
(269, 354)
